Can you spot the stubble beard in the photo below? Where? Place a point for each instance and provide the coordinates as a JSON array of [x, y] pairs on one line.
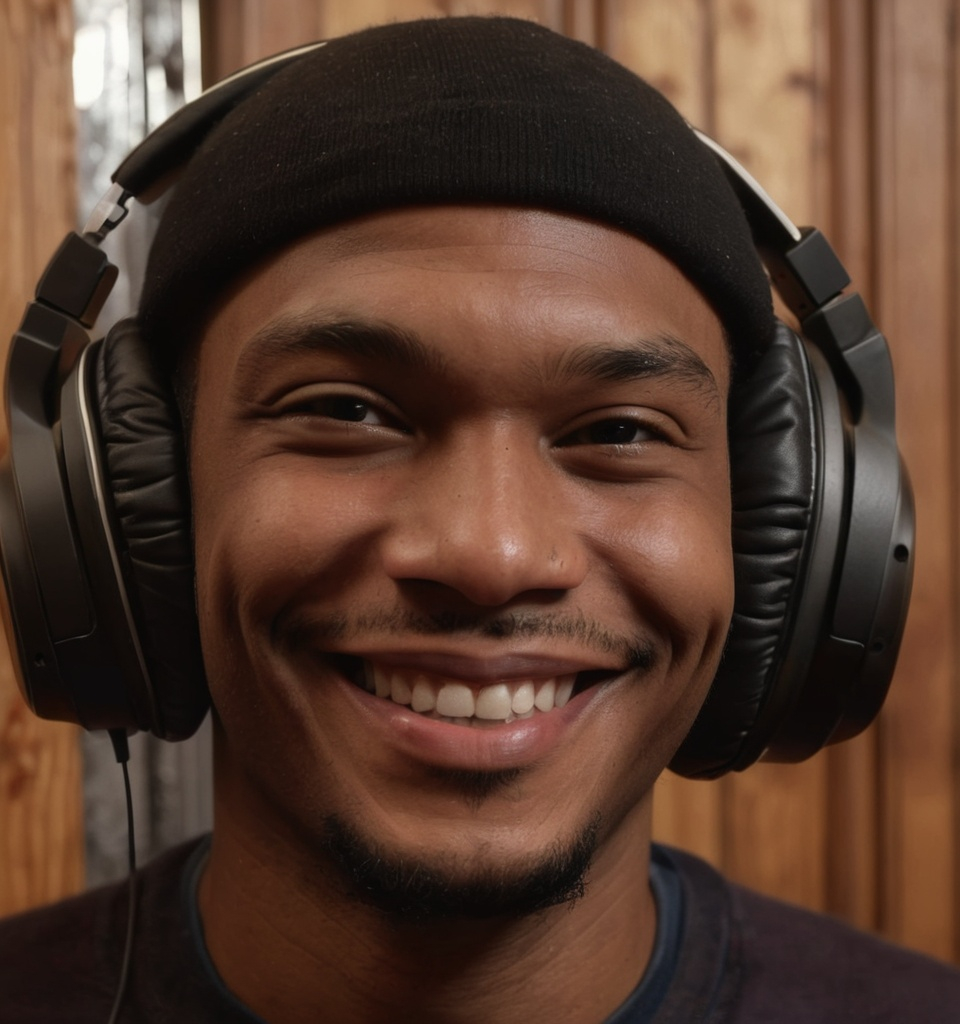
[[406, 888], [418, 889]]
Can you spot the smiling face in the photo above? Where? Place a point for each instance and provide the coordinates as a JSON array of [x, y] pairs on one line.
[[462, 519]]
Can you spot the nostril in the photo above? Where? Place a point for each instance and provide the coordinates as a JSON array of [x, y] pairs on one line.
[[486, 555]]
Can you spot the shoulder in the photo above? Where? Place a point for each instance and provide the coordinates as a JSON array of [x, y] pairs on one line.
[[800, 967], [824, 964], [75, 942], [63, 961]]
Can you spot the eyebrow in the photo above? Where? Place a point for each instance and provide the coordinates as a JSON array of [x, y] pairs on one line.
[[374, 340], [662, 356]]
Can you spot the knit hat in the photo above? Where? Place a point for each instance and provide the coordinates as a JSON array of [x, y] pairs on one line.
[[450, 110]]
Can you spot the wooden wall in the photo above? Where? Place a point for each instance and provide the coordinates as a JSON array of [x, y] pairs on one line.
[[41, 839], [847, 111]]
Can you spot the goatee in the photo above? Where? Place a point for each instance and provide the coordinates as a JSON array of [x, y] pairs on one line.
[[413, 889]]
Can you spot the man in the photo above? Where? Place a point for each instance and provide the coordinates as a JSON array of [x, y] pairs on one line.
[[454, 309]]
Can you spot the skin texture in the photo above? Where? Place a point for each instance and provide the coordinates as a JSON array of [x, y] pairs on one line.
[[528, 477]]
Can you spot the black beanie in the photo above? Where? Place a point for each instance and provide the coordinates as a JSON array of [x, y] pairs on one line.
[[450, 110]]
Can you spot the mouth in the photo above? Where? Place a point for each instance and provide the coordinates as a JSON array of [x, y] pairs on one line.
[[459, 703]]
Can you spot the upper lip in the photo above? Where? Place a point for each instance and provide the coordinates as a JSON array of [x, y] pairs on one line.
[[480, 670]]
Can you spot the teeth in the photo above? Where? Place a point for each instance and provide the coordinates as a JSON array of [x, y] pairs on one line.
[[545, 696], [422, 697], [564, 690], [400, 689], [455, 701], [499, 702], [523, 699], [493, 702]]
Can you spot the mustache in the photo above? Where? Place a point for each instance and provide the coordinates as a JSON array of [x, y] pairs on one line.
[[298, 628]]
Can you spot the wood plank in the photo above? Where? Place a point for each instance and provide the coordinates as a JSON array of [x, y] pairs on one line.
[[339, 19], [666, 42], [770, 84], [853, 852], [582, 19], [41, 827], [342, 18], [915, 185], [769, 78], [953, 275], [238, 32], [849, 217], [547, 12], [41, 838], [690, 814]]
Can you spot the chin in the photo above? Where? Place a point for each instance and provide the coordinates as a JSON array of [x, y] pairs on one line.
[[423, 887]]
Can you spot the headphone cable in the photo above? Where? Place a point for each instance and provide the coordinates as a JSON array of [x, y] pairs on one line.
[[122, 750]]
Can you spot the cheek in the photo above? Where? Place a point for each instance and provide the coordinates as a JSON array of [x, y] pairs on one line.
[[699, 565], [674, 557], [263, 539], [264, 536], [675, 566]]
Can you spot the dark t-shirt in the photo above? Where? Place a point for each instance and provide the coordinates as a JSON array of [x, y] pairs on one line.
[[723, 955]]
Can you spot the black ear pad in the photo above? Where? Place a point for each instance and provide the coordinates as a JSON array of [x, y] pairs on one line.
[[787, 479], [95, 544], [144, 470]]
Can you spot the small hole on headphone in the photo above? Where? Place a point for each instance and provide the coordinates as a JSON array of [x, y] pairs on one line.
[[901, 552], [40, 661], [877, 646]]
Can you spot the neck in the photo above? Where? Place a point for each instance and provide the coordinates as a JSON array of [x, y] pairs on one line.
[[290, 942]]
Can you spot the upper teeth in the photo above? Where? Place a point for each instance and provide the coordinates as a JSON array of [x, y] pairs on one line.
[[450, 699]]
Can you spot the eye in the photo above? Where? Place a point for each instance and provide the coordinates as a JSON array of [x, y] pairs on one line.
[[614, 431], [338, 403], [345, 407]]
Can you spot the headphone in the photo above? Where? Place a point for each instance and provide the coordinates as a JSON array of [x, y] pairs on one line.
[[95, 528]]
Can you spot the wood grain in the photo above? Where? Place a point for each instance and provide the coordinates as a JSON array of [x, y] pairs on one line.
[[239, 32], [916, 191], [853, 797], [667, 42], [41, 838], [953, 278]]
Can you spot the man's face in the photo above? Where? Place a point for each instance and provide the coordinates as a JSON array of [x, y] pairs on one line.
[[474, 459]]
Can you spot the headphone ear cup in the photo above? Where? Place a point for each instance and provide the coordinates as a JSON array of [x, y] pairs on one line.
[[776, 453], [145, 476]]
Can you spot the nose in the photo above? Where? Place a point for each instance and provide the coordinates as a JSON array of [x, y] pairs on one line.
[[490, 519]]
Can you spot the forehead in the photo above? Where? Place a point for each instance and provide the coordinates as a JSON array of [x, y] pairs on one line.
[[540, 286]]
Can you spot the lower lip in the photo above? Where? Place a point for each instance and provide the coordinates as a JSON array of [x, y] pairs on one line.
[[464, 747]]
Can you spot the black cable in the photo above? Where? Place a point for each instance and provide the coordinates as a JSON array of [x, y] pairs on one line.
[[122, 750]]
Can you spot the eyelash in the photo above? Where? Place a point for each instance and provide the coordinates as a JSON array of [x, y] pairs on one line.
[[341, 403], [336, 403], [591, 433]]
